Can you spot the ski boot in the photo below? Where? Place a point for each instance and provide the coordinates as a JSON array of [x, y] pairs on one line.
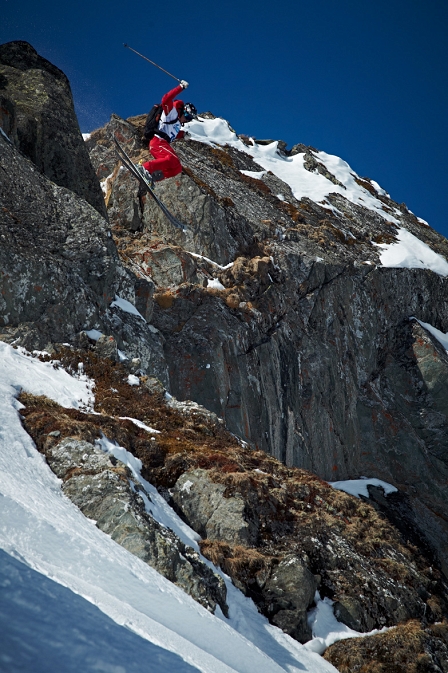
[[151, 178], [144, 173], [157, 176]]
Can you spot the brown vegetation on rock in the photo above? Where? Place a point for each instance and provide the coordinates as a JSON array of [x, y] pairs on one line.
[[408, 648], [375, 577]]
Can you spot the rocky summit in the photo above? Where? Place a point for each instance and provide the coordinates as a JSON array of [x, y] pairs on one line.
[[292, 337]]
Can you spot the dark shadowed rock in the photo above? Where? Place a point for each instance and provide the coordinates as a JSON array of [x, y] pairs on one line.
[[37, 113], [288, 593], [60, 269]]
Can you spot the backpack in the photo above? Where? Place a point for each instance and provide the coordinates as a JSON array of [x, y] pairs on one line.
[[152, 123]]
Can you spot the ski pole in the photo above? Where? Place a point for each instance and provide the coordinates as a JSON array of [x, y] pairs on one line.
[[149, 60]]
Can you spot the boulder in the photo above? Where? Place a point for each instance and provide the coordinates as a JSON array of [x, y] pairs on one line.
[[204, 507], [288, 594]]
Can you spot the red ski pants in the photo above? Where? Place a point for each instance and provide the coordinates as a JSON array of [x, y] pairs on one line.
[[165, 158]]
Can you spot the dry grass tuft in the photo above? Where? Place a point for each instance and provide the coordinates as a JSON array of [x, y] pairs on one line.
[[408, 648], [240, 563], [164, 299]]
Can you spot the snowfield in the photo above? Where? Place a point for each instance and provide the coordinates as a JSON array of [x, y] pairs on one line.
[[63, 580]]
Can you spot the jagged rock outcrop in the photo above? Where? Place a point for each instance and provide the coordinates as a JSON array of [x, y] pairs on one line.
[[105, 491], [307, 351], [60, 270], [37, 113]]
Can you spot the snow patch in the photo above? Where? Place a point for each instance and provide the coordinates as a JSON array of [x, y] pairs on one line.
[[327, 630], [409, 252], [291, 170], [140, 424], [358, 487], [94, 334], [254, 174], [194, 254], [215, 283], [126, 306]]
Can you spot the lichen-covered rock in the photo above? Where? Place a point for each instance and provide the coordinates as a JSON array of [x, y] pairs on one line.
[[207, 511], [104, 490], [106, 347], [37, 113], [288, 594]]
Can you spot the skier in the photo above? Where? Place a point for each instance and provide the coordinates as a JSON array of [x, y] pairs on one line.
[[162, 127]]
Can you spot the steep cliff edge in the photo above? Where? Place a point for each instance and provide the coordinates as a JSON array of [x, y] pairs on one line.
[[305, 346], [37, 113]]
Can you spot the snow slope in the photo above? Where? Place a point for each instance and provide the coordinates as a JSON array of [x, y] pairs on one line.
[[291, 169], [407, 252], [42, 532]]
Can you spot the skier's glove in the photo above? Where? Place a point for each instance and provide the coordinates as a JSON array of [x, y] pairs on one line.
[[184, 84]]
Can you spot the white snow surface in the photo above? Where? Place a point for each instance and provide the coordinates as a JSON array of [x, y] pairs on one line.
[[194, 254], [94, 334], [291, 169], [126, 306], [409, 252], [327, 630], [215, 283], [42, 529], [441, 337], [140, 424], [358, 487]]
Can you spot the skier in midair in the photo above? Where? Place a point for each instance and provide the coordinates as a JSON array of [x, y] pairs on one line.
[[162, 127]]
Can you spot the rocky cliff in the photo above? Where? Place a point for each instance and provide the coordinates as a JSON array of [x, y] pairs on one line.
[[307, 349], [36, 112], [311, 359]]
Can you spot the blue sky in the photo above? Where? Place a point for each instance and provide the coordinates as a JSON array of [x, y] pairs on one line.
[[365, 81]]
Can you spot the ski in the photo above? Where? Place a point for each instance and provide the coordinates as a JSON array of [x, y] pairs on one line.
[[127, 162]]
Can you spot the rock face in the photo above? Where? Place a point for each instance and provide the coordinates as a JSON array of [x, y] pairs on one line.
[[37, 113], [206, 510], [103, 489], [307, 351], [60, 270]]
